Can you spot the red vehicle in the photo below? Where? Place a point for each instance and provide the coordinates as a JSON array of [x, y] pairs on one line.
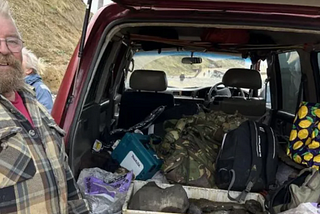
[[280, 38]]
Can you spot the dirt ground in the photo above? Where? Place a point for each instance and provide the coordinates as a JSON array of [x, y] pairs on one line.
[[51, 29]]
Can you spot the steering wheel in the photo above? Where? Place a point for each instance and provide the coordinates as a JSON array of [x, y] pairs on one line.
[[209, 98]]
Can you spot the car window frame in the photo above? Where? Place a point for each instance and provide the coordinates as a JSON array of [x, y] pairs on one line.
[[280, 85], [315, 63]]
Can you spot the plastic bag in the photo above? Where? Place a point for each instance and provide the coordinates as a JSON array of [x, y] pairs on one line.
[[105, 191], [305, 208], [159, 178]]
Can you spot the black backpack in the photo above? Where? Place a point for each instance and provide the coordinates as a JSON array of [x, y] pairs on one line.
[[247, 160], [278, 199]]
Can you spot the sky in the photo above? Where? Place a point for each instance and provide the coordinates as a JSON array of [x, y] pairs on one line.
[[94, 6]]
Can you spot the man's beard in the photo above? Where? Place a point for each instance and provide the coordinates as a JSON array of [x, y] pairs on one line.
[[11, 79]]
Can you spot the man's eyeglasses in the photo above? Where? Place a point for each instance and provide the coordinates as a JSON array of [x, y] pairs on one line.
[[13, 44]]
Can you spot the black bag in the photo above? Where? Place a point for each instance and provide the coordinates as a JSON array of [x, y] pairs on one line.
[[279, 200], [247, 160]]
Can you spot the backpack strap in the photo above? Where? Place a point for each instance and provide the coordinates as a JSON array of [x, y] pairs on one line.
[[301, 91], [256, 166]]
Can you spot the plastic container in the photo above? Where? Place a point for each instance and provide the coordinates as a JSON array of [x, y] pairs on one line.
[[134, 153], [192, 192]]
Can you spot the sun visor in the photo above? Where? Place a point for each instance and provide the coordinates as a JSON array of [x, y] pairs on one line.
[[163, 32]]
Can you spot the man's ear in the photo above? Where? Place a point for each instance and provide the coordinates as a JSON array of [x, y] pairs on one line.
[[28, 71]]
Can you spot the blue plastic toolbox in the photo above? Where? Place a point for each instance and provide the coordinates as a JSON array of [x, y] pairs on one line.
[[134, 153]]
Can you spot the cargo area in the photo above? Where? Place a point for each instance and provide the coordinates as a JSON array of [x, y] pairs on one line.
[[192, 192], [188, 103]]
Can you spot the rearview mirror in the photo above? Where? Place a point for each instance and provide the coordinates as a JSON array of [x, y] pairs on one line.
[[191, 60]]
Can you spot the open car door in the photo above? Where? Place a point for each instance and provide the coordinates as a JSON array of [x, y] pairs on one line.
[[307, 8]]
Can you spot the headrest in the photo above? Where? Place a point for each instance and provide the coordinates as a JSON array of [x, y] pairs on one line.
[[148, 80], [242, 78]]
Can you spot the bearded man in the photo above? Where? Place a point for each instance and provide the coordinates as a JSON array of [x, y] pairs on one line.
[[34, 172]]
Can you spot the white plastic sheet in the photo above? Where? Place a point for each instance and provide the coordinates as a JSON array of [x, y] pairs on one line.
[[305, 208]]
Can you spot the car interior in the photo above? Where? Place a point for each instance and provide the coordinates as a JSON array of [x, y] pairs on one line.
[[122, 90]]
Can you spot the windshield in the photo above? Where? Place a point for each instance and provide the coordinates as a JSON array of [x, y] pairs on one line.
[[182, 75]]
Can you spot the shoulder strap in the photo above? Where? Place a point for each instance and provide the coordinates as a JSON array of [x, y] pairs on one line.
[[256, 166], [301, 91]]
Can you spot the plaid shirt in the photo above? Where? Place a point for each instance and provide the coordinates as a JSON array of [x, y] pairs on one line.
[[34, 173]]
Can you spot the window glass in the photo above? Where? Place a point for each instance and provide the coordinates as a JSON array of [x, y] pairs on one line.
[[95, 84], [290, 79], [183, 75], [264, 92]]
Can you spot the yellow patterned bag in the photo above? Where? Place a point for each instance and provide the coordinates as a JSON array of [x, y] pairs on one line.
[[304, 142]]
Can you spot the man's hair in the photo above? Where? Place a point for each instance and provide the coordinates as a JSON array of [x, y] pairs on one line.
[[5, 13], [4, 9], [32, 62]]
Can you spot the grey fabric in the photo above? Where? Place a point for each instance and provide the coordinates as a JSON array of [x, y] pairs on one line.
[[148, 80], [285, 172], [309, 191], [242, 78]]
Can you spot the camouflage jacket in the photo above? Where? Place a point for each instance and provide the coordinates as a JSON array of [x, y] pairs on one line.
[[190, 147]]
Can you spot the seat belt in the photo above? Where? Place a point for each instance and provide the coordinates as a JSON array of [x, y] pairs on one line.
[[266, 87], [265, 115], [301, 91]]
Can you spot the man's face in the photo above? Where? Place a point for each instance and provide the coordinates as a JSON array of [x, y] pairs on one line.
[[11, 73]]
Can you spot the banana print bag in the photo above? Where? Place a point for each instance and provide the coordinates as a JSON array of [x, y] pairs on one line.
[[304, 141]]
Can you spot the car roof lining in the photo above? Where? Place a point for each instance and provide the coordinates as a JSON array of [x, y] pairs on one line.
[[123, 28], [291, 38], [276, 33], [191, 38]]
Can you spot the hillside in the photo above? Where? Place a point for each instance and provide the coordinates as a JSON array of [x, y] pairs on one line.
[[51, 29], [173, 66]]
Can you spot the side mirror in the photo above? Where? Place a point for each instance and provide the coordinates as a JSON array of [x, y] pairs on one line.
[[191, 60]]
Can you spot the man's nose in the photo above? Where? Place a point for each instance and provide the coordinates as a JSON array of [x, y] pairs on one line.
[[4, 48]]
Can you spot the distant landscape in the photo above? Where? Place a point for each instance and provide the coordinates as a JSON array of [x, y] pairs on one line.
[[208, 73], [51, 29]]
